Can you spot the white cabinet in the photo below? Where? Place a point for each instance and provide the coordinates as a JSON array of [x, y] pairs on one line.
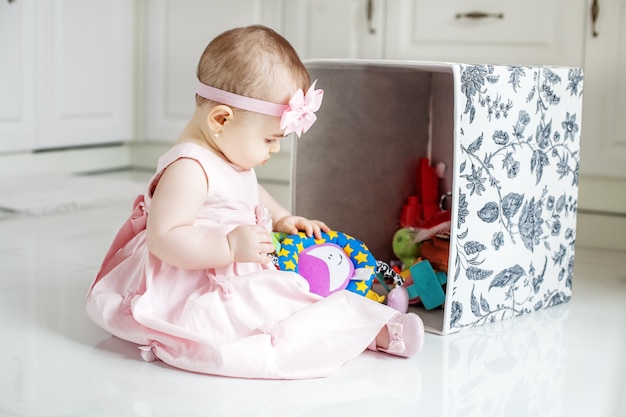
[[336, 28], [176, 33], [85, 72], [534, 32], [69, 73], [17, 76], [604, 124], [527, 32]]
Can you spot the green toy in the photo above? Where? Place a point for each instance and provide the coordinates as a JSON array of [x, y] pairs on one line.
[[277, 237], [406, 249]]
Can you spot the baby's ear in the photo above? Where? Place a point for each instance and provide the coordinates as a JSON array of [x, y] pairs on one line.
[[218, 116]]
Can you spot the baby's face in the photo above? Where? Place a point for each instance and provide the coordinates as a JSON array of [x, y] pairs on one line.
[[250, 139]]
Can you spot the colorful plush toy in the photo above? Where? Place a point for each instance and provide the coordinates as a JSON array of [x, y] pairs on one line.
[[327, 268], [336, 261]]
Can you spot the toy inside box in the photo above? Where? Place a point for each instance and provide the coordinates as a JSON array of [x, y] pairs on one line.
[[400, 142]]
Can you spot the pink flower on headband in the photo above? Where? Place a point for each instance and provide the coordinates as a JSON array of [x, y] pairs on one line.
[[300, 114]]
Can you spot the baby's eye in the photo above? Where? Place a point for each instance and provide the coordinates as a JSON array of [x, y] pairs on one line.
[[270, 140]]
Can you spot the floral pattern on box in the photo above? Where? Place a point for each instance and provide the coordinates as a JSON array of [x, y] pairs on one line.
[[516, 191]]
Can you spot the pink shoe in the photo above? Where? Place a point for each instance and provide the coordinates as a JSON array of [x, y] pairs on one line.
[[406, 335]]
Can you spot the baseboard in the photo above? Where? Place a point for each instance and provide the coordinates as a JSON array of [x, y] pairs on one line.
[[65, 161], [602, 195], [601, 231], [144, 155]]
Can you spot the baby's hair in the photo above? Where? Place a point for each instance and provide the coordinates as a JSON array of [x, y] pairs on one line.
[[253, 61]]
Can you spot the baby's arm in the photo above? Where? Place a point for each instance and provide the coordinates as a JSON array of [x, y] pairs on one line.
[[284, 221], [170, 233]]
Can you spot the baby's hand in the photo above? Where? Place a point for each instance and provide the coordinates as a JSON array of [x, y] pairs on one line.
[[250, 244], [294, 224]]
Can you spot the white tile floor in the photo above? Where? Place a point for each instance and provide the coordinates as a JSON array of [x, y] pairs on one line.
[[566, 361]]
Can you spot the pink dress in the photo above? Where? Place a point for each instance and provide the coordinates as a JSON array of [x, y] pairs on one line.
[[244, 320]]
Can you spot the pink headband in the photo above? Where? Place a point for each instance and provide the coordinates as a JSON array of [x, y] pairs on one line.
[[297, 116]]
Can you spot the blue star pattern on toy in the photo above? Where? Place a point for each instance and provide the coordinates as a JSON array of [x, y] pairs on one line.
[[362, 259]]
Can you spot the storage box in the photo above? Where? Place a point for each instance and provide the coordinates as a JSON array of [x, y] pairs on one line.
[[509, 138]]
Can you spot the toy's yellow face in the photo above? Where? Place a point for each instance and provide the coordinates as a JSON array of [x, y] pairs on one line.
[[339, 265]]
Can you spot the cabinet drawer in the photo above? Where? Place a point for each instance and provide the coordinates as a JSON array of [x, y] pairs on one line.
[[489, 22], [487, 31]]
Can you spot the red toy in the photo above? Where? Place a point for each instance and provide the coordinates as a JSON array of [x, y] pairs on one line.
[[422, 218], [422, 210]]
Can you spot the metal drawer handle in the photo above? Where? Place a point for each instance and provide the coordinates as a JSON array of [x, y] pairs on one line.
[[479, 15], [369, 11], [595, 13]]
